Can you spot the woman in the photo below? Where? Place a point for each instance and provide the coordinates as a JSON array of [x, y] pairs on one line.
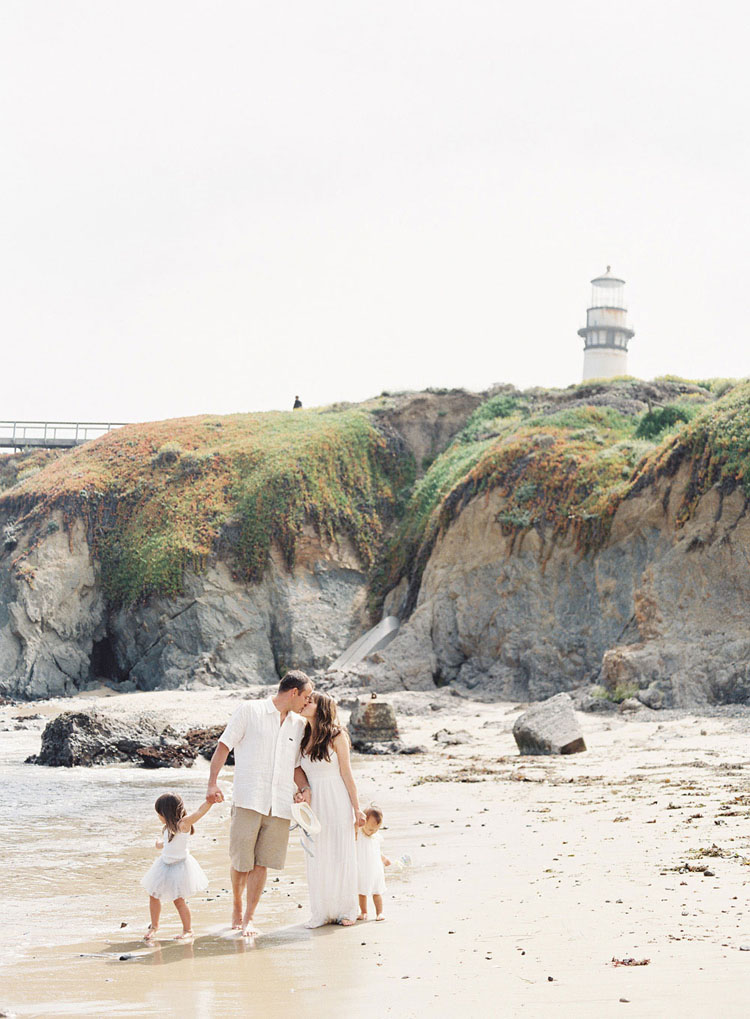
[[332, 871]]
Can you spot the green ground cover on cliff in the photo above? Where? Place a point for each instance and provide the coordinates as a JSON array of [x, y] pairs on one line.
[[715, 444], [16, 467], [160, 497], [562, 470]]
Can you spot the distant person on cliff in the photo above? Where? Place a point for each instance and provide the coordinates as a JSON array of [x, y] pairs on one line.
[[297, 403], [265, 736]]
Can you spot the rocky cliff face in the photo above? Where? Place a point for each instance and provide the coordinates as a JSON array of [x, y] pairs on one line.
[[57, 634], [548, 547], [661, 608]]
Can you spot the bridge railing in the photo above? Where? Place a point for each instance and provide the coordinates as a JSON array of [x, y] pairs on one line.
[[52, 434]]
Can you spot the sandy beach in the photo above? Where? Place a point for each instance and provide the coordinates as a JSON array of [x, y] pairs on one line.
[[529, 876]]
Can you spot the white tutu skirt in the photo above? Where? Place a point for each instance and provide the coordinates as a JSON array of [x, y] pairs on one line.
[[370, 872], [170, 881]]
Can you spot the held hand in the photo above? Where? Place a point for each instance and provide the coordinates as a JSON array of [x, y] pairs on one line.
[[214, 794], [360, 818], [386, 861]]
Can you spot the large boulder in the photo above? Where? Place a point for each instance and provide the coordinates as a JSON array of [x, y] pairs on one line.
[[372, 721], [549, 728], [83, 739]]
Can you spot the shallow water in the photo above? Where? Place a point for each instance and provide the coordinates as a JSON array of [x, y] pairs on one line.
[[75, 842]]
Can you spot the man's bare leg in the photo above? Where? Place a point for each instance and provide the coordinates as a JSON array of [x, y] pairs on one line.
[[239, 883], [256, 881]]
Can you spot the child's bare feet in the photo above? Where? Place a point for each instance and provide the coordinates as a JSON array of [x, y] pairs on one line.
[[362, 916], [150, 932], [380, 916]]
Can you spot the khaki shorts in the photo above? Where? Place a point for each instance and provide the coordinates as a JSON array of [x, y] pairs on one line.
[[257, 840]]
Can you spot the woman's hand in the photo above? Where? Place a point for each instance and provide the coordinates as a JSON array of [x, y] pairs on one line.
[[360, 818]]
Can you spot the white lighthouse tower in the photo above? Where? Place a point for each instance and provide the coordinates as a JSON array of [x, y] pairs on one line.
[[606, 333]]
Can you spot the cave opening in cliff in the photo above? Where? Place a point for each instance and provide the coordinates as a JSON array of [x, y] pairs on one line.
[[103, 663]]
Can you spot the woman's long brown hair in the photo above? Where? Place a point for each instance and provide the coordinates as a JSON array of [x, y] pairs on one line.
[[172, 809], [327, 728]]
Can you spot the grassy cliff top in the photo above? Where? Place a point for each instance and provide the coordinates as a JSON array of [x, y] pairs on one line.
[[714, 444], [163, 496], [564, 459]]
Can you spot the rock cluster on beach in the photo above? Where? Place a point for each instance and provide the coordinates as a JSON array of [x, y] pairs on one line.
[[86, 738]]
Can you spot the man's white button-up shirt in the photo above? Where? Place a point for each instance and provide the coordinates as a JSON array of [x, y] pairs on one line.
[[266, 752]]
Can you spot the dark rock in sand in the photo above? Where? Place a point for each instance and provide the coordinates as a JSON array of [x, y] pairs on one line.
[[167, 757], [372, 721], [451, 739], [204, 741], [392, 747], [80, 738], [593, 699], [83, 739], [631, 704], [549, 728]]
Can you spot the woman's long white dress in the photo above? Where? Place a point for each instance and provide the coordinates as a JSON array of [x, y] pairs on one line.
[[332, 870]]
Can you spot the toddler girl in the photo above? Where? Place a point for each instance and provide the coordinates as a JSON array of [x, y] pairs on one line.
[[370, 860], [175, 875]]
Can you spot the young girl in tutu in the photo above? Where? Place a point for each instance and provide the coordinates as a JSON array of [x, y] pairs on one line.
[[370, 860], [175, 875]]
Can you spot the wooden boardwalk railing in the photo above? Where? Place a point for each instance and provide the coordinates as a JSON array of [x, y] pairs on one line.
[[51, 434]]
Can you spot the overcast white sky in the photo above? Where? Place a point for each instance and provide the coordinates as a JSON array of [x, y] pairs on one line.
[[214, 206]]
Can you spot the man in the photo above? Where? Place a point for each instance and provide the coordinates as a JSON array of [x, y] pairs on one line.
[[265, 736], [297, 403]]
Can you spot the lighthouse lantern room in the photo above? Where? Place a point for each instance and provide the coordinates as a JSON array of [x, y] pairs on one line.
[[606, 333]]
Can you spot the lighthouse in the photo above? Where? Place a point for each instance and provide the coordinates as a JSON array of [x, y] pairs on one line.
[[606, 333]]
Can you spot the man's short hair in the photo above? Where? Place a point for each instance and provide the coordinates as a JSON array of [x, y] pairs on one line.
[[296, 679]]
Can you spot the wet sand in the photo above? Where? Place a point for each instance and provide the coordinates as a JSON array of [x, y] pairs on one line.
[[523, 869]]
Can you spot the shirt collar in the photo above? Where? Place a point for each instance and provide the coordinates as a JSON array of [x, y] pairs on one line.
[[270, 706]]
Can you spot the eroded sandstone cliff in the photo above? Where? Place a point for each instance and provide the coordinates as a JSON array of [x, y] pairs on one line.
[[543, 541]]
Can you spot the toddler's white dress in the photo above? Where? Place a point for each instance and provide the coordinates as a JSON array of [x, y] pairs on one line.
[[370, 872], [175, 874], [332, 870]]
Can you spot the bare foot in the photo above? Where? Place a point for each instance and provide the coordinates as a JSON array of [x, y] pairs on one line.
[[237, 917], [150, 933], [380, 916], [249, 930], [346, 922], [185, 936], [362, 916]]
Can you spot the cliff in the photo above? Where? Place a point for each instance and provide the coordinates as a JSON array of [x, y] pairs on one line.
[[210, 549], [573, 553], [531, 541]]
